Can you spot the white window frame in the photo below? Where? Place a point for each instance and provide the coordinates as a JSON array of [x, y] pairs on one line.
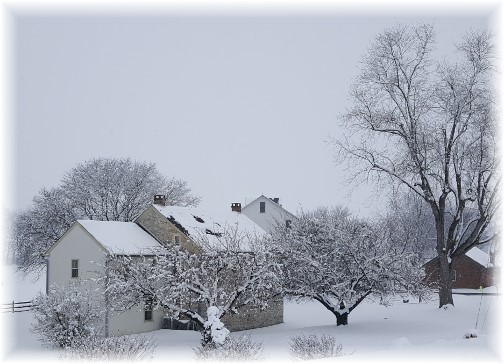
[[72, 268], [148, 309]]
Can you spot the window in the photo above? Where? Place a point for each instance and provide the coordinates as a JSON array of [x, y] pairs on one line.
[[262, 207], [148, 308], [176, 239], [288, 224], [454, 275], [75, 268]]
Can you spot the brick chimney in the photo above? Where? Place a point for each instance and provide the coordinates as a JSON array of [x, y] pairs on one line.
[[236, 207], [275, 200], [160, 200]]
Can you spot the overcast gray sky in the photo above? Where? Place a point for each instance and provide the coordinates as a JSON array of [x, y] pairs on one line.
[[237, 105]]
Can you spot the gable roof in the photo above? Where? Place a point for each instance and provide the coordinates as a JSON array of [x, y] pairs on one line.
[[270, 200], [209, 225], [119, 237], [479, 256], [475, 254]]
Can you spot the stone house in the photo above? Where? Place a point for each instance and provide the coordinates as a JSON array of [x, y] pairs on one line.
[[81, 254], [471, 270], [183, 225]]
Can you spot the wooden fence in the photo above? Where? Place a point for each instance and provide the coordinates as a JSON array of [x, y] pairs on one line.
[[477, 293], [17, 307]]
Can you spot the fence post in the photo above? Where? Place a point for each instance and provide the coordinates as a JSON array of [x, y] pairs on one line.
[[12, 306]]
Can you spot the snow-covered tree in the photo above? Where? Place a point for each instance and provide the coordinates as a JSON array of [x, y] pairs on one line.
[[33, 231], [180, 283], [98, 189], [430, 127], [339, 260], [120, 189]]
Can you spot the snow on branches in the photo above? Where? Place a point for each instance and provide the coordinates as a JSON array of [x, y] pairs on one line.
[[67, 315], [214, 330], [339, 261], [429, 126], [104, 189], [71, 317], [179, 282]]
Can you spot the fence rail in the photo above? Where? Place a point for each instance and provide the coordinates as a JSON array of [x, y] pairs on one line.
[[477, 293], [17, 307]]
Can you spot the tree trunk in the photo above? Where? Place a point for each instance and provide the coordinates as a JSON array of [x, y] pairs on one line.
[[206, 336], [342, 319], [445, 281], [445, 269]]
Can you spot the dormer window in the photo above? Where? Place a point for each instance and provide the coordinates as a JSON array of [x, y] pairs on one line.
[[262, 207]]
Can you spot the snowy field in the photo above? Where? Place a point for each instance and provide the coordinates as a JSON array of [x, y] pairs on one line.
[[402, 331]]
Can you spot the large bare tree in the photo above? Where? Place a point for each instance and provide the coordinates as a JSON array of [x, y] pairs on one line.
[[408, 222], [98, 189], [430, 127]]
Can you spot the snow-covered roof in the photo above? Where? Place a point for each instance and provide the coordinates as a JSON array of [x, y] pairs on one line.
[[209, 225], [269, 200], [121, 237], [479, 256]]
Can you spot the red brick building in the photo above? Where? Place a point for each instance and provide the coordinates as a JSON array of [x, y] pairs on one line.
[[471, 270]]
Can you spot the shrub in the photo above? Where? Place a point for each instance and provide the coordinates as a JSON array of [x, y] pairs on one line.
[[131, 348], [240, 348], [69, 318], [312, 346], [67, 314]]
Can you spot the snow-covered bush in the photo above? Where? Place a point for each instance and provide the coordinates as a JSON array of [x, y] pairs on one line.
[[68, 314], [69, 318], [132, 347], [214, 330], [241, 348], [313, 346]]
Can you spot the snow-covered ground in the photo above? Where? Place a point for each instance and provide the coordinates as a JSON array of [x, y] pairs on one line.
[[402, 331]]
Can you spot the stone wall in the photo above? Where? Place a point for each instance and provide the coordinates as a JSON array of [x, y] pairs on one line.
[[247, 318], [161, 228], [252, 318]]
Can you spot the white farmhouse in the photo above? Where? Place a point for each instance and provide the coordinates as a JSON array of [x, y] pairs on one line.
[[81, 254], [266, 212]]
